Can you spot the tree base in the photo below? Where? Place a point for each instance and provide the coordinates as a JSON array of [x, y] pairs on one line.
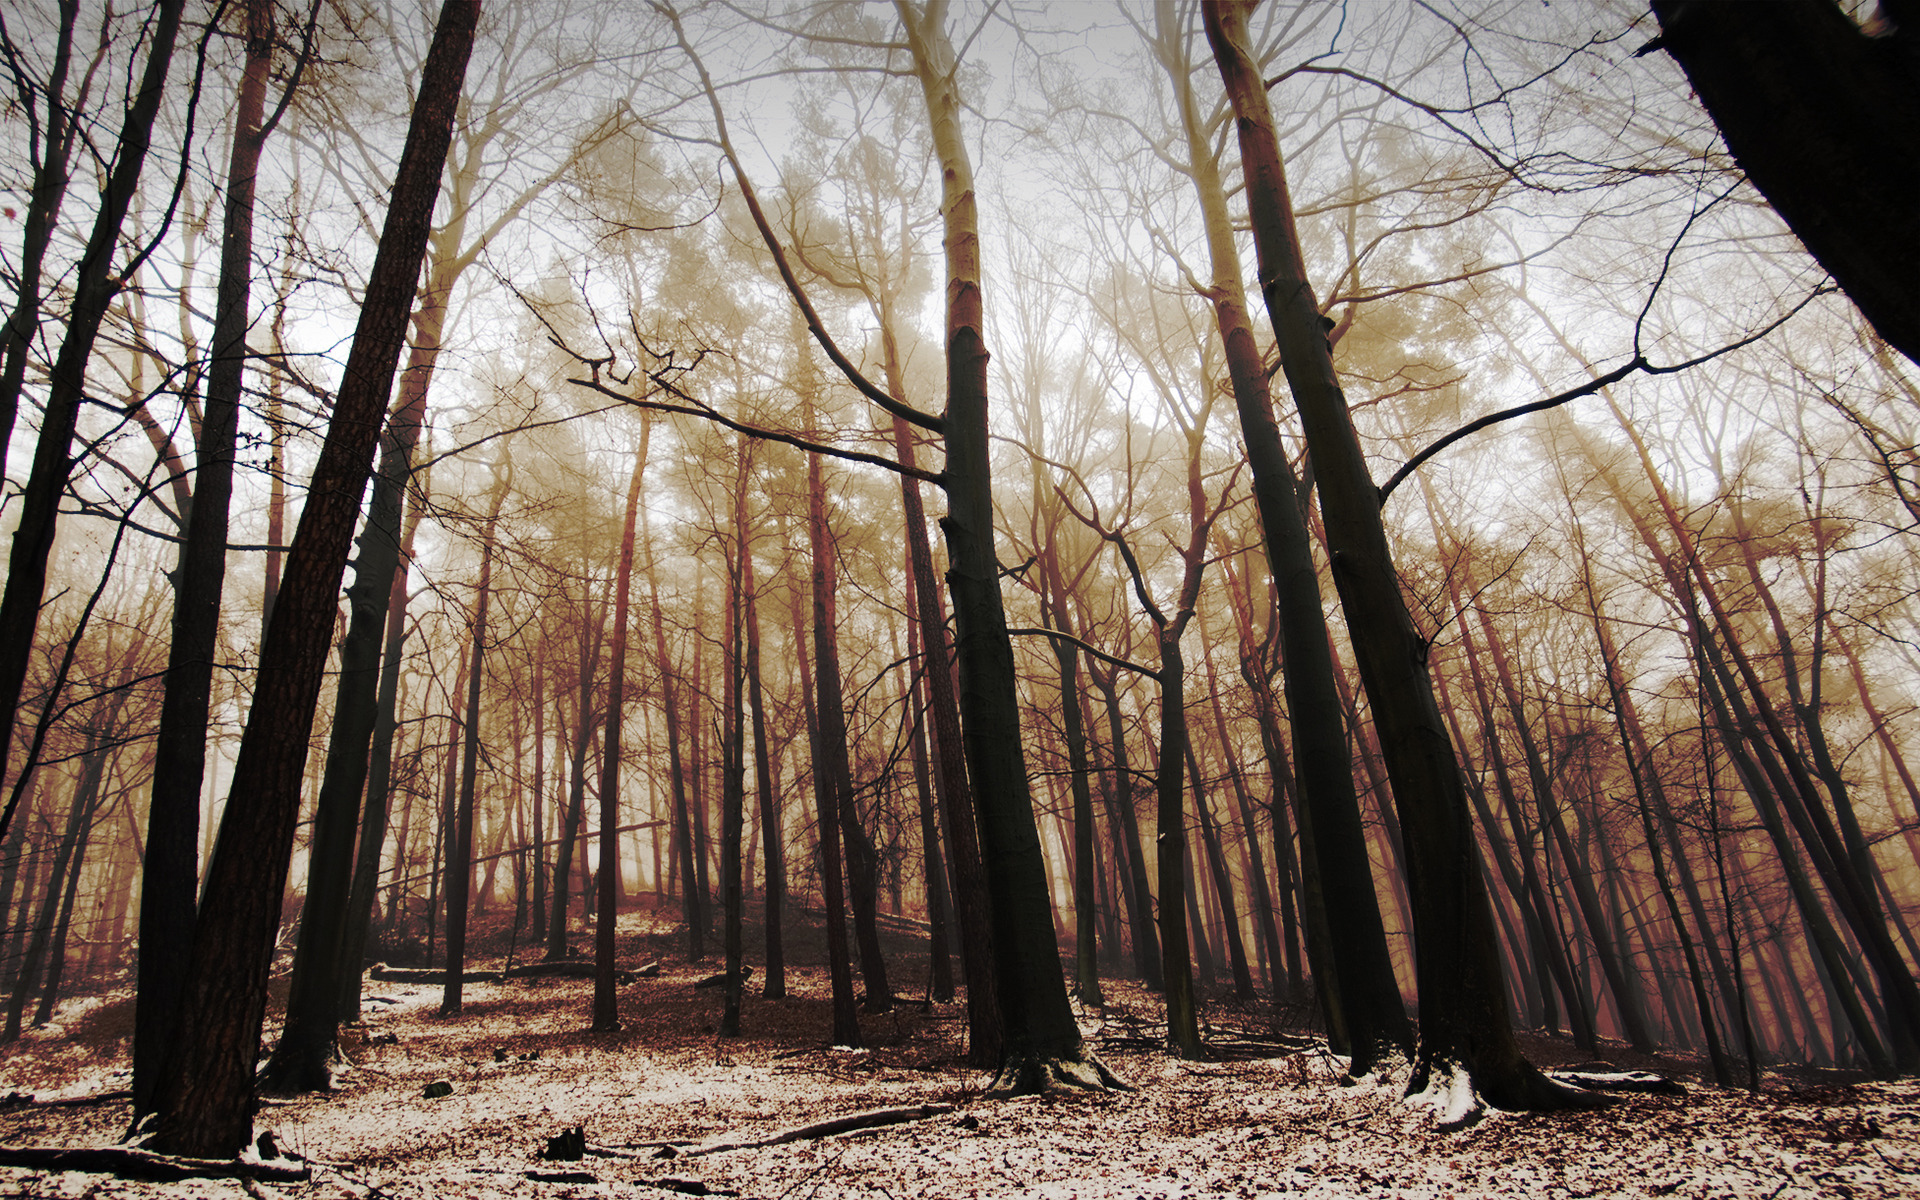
[[1032, 1074], [1460, 1096], [296, 1072]]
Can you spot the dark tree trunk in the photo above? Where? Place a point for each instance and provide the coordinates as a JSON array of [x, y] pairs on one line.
[[205, 1098], [606, 1003], [572, 821], [773, 852], [1464, 1026], [94, 288], [50, 173], [1042, 1042], [460, 843], [733, 757], [170, 873], [1140, 922], [1825, 121], [379, 784]]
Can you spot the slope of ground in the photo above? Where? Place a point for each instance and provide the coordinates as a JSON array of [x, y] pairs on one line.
[[522, 1067]]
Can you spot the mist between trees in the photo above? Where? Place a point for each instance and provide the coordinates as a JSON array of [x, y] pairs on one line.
[[862, 463]]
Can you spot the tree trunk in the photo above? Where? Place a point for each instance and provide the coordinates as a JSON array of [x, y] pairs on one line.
[[460, 852], [379, 785], [170, 874], [1042, 1045], [1464, 1025], [606, 1003], [773, 853], [50, 175], [733, 757], [1825, 121], [205, 1099]]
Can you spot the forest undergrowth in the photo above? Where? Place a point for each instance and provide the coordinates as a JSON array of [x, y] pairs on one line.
[[666, 1107]]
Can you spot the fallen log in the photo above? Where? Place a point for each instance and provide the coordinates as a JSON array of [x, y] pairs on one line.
[[873, 1118], [128, 1162]]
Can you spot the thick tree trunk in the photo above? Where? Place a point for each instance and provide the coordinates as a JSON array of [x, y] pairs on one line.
[[1825, 121], [1464, 1026], [170, 873], [1042, 1042], [205, 1101]]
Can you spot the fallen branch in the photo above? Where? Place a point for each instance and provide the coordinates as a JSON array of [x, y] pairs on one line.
[[128, 1162], [875, 1118], [387, 974], [575, 969]]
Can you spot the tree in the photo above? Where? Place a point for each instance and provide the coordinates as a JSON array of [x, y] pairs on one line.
[[1824, 118], [1466, 1038], [204, 1100]]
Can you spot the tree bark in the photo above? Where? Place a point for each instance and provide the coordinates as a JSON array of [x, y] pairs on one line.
[[606, 1002], [1825, 121], [205, 1098], [170, 872], [1464, 1026], [1042, 1043], [93, 292]]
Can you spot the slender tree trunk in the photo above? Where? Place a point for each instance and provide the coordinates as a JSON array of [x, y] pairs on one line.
[[50, 174], [773, 852], [379, 785], [95, 286], [460, 853], [733, 757], [606, 1003]]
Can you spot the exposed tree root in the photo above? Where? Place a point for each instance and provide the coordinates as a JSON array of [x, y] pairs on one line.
[[1595, 1080], [128, 1162], [1028, 1074], [1460, 1097]]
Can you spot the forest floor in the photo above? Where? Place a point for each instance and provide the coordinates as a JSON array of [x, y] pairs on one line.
[[659, 1098]]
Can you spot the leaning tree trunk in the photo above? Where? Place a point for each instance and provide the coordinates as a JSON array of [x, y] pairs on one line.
[[1825, 121], [1466, 1038], [205, 1098], [733, 758], [50, 172], [773, 853], [170, 870]]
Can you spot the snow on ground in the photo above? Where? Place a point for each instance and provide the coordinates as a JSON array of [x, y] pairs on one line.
[[523, 1067]]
